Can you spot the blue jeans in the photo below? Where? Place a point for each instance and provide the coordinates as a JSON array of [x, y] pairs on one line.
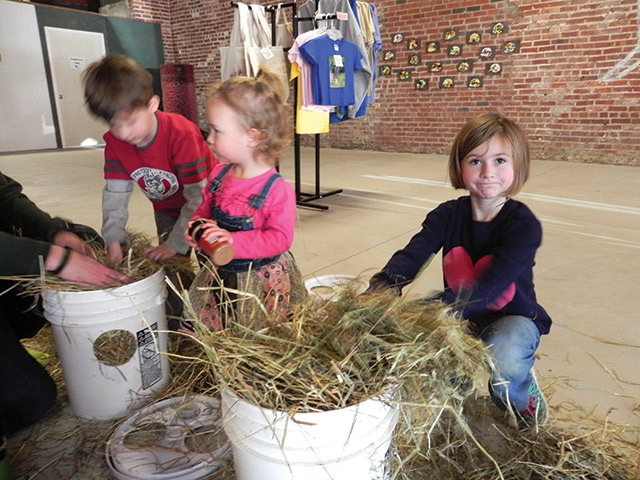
[[512, 341]]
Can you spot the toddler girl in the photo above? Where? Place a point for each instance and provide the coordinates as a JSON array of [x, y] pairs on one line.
[[247, 204]]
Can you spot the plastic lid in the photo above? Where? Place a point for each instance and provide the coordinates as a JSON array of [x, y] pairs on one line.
[[178, 438]]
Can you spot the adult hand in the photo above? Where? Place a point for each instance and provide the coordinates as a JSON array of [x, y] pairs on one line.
[[160, 253], [82, 269], [65, 238]]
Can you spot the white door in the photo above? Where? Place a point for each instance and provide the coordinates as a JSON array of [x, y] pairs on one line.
[[70, 53], [26, 117]]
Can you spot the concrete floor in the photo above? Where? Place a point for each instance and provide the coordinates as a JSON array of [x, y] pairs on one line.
[[586, 274]]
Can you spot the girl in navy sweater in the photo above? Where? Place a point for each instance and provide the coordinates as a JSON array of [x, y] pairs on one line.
[[488, 242]]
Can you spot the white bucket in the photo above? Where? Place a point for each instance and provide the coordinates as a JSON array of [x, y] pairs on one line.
[[110, 344], [328, 287], [350, 443]]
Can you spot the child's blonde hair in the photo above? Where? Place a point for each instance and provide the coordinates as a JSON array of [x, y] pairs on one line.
[[481, 129], [116, 84], [260, 103]]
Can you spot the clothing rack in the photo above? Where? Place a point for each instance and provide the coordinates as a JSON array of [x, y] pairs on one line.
[[303, 199]]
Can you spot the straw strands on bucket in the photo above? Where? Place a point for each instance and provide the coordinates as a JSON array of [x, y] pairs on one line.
[[333, 354]]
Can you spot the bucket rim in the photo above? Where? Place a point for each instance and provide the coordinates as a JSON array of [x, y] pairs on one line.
[[388, 399], [334, 282]]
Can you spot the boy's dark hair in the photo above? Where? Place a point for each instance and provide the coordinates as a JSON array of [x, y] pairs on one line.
[[116, 84]]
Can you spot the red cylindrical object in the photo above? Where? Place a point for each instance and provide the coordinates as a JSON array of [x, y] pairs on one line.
[[220, 252]]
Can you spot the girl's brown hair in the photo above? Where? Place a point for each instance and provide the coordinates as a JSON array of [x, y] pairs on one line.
[[482, 128], [260, 103]]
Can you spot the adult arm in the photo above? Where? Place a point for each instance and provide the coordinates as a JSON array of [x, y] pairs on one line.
[[25, 230], [25, 236], [20, 216]]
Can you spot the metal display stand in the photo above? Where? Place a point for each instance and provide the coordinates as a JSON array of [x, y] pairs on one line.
[[302, 199]]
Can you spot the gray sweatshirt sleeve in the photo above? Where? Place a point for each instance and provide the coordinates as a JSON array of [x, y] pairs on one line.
[[115, 212], [193, 195]]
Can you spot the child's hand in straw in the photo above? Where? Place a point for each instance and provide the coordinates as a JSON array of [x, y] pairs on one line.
[[114, 253], [73, 266], [160, 252]]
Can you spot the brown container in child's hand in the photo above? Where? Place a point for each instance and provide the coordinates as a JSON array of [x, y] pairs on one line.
[[220, 252]]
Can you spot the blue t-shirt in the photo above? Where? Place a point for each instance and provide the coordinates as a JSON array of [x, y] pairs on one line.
[[333, 63]]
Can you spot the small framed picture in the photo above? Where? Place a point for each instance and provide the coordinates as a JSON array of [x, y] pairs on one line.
[[449, 34], [511, 47], [415, 60], [487, 53], [454, 51], [433, 47], [465, 66], [474, 38], [413, 44], [435, 67], [499, 28], [422, 84], [447, 82], [404, 75], [397, 38], [494, 68], [474, 82]]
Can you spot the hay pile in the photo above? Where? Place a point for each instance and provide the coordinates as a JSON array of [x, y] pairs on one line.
[[334, 354], [337, 353]]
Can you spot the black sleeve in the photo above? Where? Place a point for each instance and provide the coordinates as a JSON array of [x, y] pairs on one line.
[[25, 230]]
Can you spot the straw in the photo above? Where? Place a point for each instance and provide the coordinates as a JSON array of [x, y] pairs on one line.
[[345, 350]]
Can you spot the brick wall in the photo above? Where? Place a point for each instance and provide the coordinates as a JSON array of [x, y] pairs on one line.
[[568, 81]]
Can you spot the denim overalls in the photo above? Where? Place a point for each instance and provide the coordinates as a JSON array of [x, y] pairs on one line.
[[242, 223]]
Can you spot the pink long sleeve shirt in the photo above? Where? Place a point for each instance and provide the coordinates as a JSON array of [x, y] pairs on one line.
[[273, 224]]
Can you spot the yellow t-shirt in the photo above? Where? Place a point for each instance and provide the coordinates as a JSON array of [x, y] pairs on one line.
[[307, 122]]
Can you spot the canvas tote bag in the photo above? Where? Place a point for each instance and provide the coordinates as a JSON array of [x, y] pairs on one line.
[[284, 30], [266, 55], [234, 60]]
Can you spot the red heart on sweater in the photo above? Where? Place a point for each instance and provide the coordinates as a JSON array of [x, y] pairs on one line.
[[460, 273]]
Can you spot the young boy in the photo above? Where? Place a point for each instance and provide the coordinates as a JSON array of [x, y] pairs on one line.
[[164, 153]]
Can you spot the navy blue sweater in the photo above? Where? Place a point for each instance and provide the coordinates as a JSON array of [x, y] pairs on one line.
[[487, 266]]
